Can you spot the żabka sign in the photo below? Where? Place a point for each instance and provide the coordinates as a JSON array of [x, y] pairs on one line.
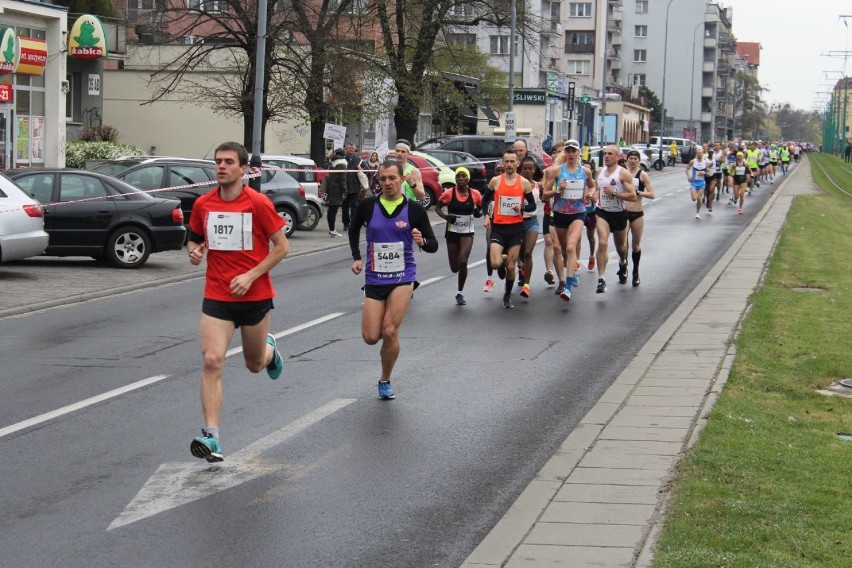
[[87, 39], [8, 50]]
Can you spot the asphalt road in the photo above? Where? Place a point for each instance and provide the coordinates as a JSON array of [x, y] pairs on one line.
[[318, 472]]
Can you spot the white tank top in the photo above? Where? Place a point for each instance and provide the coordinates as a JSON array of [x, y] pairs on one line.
[[610, 202], [537, 197]]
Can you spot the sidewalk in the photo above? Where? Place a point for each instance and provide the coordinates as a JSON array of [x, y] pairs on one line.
[[601, 499]]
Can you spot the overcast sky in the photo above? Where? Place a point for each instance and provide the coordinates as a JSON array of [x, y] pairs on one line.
[[796, 36]]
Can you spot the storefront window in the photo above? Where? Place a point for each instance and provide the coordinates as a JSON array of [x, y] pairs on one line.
[[30, 110]]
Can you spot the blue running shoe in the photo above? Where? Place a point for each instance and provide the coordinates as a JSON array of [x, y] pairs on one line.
[[575, 281], [207, 447], [566, 294], [460, 299], [385, 392], [276, 366]]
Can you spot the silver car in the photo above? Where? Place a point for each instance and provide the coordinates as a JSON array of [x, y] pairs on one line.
[[22, 232]]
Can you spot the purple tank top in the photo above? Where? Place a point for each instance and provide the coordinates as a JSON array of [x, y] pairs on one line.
[[390, 250]]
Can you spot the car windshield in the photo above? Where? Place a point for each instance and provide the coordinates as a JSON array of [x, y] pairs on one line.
[[112, 168], [433, 144]]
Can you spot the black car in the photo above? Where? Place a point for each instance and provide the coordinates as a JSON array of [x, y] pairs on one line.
[[455, 160], [187, 180], [487, 149], [91, 214]]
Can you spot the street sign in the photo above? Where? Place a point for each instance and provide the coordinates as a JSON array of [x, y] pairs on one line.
[[570, 101], [585, 99], [511, 130]]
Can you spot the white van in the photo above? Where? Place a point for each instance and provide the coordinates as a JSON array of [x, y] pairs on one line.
[[685, 146]]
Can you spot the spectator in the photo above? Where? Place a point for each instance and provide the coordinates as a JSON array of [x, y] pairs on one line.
[[353, 184], [334, 185]]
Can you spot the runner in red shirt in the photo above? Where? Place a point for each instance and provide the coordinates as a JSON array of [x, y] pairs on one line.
[[234, 224]]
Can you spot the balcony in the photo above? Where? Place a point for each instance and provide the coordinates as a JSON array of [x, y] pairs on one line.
[[707, 92], [709, 67], [706, 117], [615, 64], [710, 42], [550, 27], [579, 48]]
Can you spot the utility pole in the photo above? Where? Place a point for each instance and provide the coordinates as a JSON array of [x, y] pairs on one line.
[[603, 82], [260, 68]]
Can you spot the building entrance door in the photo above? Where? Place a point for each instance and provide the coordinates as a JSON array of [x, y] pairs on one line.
[[6, 139]]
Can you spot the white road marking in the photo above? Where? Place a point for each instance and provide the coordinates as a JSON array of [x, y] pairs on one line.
[[431, 281], [79, 405], [176, 484], [139, 384]]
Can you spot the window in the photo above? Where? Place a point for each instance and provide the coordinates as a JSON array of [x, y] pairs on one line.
[[73, 187], [147, 178], [640, 31], [641, 6], [187, 175], [500, 45], [461, 40], [208, 5], [640, 55], [580, 9], [639, 79], [578, 67], [585, 38], [143, 4], [459, 10], [555, 10], [579, 42]]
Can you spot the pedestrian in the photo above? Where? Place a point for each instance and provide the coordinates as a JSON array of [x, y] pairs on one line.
[[847, 155], [547, 145], [673, 150], [570, 184], [614, 188], [511, 195], [334, 186], [394, 224], [463, 205], [234, 225], [635, 212], [353, 184]]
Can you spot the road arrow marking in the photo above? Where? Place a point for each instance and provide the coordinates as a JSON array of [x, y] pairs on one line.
[[176, 484]]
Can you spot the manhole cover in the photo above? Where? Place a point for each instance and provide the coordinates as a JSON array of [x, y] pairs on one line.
[[838, 389], [846, 383], [844, 436], [807, 289]]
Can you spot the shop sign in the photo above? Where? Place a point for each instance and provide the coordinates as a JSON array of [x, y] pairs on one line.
[[529, 97], [33, 56], [87, 39], [7, 93], [8, 50]]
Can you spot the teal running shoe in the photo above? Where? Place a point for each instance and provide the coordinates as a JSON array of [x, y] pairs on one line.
[[385, 392], [207, 447], [575, 281], [276, 366]]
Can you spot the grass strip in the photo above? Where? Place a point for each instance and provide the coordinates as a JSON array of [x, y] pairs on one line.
[[769, 482]]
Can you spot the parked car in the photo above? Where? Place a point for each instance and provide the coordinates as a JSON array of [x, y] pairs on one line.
[[22, 233], [187, 180], [430, 179], [685, 146], [92, 214], [446, 175], [455, 160], [488, 149], [304, 170]]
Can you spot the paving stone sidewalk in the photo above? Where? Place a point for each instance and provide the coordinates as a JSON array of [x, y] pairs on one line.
[[601, 499]]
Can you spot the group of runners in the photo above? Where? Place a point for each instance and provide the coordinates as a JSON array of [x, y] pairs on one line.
[[735, 170]]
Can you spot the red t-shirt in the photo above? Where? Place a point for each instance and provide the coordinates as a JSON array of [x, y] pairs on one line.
[[233, 249]]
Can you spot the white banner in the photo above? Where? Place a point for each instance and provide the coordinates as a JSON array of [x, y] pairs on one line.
[[336, 133]]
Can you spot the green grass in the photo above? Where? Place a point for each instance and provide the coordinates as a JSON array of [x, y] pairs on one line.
[[769, 482]]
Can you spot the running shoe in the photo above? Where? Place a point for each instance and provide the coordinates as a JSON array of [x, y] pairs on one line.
[[601, 286], [560, 288], [591, 263], [739, 211], [460, 299], [548, 277], [334, 234], [635, 279], [525, 291], [507, 302], [575, 281], [566, 294], [207, 447], [385, 392], [622, 273], [709, 210], [489, 285], [276, 366], [697, 216]]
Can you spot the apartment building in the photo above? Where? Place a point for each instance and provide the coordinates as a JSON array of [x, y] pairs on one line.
[[684, 51]]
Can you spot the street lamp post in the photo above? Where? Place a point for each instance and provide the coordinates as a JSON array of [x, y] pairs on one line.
[[692, 77], [663, 101]]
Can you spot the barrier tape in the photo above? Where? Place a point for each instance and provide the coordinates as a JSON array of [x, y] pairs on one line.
[[254, 172]]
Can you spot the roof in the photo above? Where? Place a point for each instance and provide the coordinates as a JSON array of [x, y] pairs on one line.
[[749, 51]]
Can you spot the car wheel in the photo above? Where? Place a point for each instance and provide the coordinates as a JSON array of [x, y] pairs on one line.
[[289, 218], [658, 165], [429, 200], [128, 247], [312, 219], [644, 168]]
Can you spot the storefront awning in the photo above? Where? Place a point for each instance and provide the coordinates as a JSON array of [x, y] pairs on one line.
[[33, 57]]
